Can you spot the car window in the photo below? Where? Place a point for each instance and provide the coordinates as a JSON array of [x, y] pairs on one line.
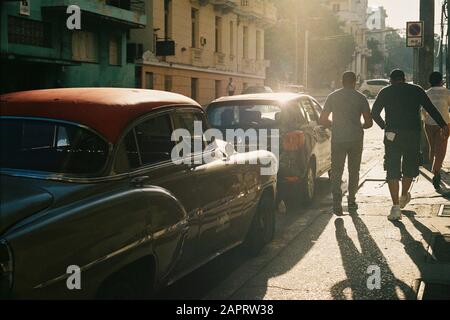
[[51, 146], [294, 116], [371, 83], [244, 115], [311, 113], [149, 142], [187, 120]]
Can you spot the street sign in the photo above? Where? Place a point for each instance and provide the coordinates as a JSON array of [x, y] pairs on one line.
[[415, 34], [165, 48]]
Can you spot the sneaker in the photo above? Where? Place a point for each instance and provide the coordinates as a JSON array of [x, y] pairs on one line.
[[396, 214], [437, 181], [404, 200]]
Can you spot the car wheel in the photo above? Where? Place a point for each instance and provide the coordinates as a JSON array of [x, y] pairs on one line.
[[262, 229], [308, 186]]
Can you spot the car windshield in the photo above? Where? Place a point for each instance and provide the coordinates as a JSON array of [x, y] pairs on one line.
[[52, 147], [235, 115]]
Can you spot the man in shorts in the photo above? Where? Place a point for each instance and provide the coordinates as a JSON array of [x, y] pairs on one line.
[[402, 103]]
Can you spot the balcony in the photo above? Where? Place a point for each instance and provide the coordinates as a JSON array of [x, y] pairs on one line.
[[196, 57], [248, 66], [262, 11], [219, 61], [225, 6], [129, 12]]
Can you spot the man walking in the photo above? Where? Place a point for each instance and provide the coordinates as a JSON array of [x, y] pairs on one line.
[[440, 96], [347, 105], [402, 103]]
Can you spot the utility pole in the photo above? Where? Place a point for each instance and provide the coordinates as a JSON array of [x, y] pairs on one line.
[[426, 54], [296, 46]]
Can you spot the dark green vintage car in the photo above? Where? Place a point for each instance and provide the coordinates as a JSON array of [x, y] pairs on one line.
[[89, 189]]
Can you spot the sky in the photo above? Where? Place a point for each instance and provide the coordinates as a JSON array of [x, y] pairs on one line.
[[401, 11]]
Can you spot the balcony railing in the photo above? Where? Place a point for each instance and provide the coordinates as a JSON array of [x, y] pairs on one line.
[[219, 59], [197, 57], [257, 9]]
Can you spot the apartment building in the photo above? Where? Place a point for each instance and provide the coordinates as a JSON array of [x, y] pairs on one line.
[[38, 51], [195, 46], [377, 30], [354, 14]]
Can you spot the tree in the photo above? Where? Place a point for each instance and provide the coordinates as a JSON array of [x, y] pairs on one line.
[[399, 56], [330, 48], [376, 59]]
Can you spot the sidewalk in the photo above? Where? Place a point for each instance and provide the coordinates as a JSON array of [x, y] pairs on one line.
[[329, 258]]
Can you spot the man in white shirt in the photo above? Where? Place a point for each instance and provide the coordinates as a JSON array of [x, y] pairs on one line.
[[440, 96], [231, 88]]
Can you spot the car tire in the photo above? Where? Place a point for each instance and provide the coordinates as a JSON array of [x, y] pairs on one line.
[[262, 228], [308, 184]]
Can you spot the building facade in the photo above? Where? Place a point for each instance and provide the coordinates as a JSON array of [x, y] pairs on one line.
[[377, 30], [37, 49], [212, 41], [354, 14]]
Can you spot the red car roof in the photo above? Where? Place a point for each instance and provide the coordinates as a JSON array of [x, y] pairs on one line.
[[106, 110]]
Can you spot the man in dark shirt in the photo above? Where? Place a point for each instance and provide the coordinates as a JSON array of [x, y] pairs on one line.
[[402, 103]]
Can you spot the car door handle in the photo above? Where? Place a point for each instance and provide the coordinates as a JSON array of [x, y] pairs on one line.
[[139, 181]]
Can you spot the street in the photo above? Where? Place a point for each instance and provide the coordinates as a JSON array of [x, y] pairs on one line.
[[316, 255]]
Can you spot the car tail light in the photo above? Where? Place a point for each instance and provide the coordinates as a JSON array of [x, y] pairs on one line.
[[294, 140], [6, 270]]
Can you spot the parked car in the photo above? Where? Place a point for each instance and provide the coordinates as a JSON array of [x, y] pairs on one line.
[[305, 146], [257, 89], [371, 88], [294, 88], [87, 180]]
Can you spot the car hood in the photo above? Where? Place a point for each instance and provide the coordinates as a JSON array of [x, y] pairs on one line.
[[19, 201]]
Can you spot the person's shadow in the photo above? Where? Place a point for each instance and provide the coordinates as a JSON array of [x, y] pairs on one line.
[[356, 265], [415, 249]]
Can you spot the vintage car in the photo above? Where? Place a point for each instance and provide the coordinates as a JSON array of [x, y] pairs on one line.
[[89, 189], [304, 146]]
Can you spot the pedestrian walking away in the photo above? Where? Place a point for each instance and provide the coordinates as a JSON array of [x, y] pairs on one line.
[[440, 96], [347, 106], [402, 103]]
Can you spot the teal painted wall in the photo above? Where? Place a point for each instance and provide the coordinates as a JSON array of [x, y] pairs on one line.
[[54, 70]]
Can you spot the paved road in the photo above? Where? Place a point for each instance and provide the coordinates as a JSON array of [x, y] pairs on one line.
[[211, 281]]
